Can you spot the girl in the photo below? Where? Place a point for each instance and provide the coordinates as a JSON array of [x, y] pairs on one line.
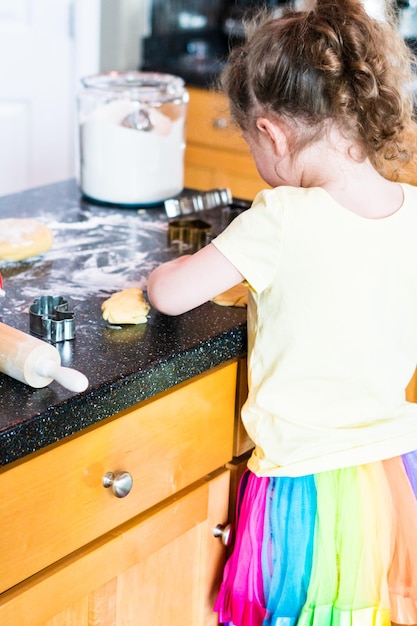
[[327, 525]]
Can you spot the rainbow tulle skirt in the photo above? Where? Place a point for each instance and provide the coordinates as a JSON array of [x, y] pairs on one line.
[[338, 548]]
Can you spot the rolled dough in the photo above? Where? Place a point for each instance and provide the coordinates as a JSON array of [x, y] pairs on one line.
[[21, 238], [126, 307], [235, 296]]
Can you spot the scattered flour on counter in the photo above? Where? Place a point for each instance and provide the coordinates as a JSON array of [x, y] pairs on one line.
[[87, 258]]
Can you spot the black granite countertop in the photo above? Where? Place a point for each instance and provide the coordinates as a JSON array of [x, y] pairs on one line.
[[98, 250]]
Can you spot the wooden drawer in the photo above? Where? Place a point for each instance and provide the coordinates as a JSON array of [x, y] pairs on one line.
[[55, 502], [208, 168], [209, 123], [216, 155], [126, 576]]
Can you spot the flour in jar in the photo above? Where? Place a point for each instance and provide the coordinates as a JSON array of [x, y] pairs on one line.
[[127, 166]]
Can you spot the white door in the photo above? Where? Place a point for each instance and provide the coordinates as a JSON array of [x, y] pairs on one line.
[[45, 46]]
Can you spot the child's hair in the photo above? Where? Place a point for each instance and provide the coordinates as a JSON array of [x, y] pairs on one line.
[[330, 63]]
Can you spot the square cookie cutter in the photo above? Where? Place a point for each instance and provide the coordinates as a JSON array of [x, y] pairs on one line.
[[51, 319]]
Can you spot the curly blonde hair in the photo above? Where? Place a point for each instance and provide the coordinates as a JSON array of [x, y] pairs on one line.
[[332, 62]]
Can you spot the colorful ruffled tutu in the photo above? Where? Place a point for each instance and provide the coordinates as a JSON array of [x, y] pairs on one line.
[[338, 548]]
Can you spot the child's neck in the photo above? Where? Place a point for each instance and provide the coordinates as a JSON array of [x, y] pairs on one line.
[[365, 192], [355, 185]]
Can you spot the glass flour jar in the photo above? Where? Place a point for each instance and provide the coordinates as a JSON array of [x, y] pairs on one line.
[[132, 137]]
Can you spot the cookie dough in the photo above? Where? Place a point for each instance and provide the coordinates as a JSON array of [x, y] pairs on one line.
[[236, 296], [21, 238], [126, 307]]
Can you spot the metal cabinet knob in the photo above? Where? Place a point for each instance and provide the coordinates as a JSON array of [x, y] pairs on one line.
[[220, 123], [120, 483], [223, 532]]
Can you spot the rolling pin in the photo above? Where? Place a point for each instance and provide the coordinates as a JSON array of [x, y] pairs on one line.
[[35, 362]]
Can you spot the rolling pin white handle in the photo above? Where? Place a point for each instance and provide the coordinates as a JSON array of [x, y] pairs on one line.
[[66, 376], [23, 356]]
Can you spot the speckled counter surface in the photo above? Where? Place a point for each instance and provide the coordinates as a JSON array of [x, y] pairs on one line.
[[99, 250]]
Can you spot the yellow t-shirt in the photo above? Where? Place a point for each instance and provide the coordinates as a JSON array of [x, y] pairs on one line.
[[332, 330]]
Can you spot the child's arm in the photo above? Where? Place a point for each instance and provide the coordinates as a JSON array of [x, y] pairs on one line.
[[187, 282]]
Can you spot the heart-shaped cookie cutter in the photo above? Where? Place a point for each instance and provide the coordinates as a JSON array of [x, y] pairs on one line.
[[51, 319]]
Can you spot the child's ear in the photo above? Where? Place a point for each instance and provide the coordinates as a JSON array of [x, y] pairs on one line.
[[273, 131]]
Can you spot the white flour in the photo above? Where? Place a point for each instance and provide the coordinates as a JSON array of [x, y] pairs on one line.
[[128, 166], [89, 258]]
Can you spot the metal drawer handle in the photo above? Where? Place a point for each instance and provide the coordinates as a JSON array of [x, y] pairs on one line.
[[120, 483], [219, 123], [223, 532]]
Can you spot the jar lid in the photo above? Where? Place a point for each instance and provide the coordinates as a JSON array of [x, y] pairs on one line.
[[146, 86]]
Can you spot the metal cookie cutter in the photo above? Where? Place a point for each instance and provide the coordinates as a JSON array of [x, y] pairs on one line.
[[195, 202], [50, 319]]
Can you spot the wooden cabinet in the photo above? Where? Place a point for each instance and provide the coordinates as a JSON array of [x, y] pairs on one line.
[[406, 173], [75, 554], [242, 442], [159, 568], [216, 155], [411, 390]]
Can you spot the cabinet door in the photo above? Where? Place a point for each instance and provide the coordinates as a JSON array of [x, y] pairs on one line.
[[162, 567], [216, 155], [52, 43]]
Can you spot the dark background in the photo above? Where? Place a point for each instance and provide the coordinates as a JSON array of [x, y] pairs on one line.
[[192, 38]]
